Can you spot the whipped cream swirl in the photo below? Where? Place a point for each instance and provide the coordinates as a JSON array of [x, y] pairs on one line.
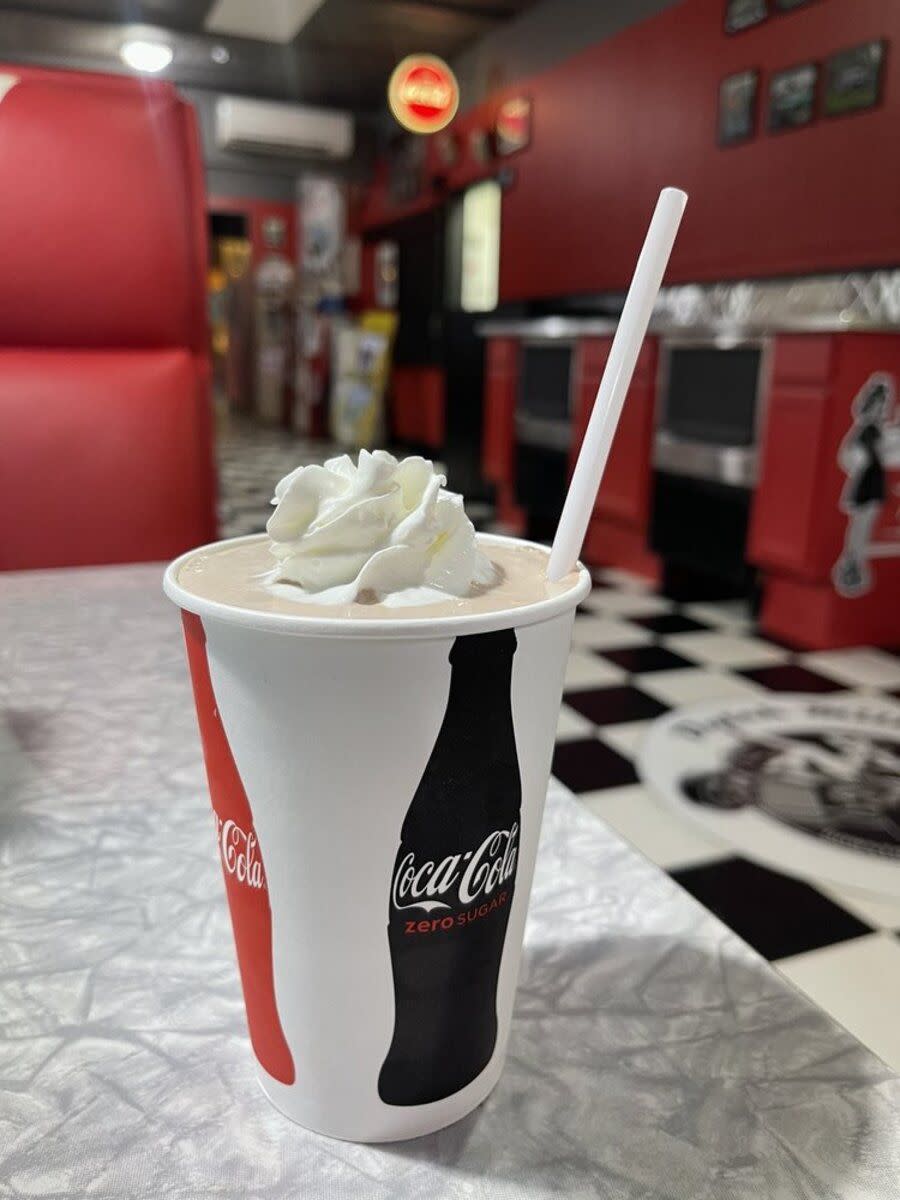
[[379, 526]]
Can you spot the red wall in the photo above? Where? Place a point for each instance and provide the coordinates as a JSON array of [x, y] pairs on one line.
[[625, 117]]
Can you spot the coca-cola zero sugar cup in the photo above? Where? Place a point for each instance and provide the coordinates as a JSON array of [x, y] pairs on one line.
[[378, 787]]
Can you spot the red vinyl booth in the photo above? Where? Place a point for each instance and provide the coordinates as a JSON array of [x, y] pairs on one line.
[[105, 423]]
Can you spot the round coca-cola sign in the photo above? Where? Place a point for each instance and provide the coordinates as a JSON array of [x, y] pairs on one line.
[[423, 93]]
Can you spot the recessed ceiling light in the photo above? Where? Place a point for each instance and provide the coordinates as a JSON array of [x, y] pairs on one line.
[[146, 56], [220, 55]]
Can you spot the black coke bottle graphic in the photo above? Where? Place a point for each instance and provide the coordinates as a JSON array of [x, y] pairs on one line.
[[453, 884]]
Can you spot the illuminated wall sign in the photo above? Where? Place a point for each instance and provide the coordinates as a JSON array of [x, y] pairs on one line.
[[480, 247], [513, 128], [423, 93]]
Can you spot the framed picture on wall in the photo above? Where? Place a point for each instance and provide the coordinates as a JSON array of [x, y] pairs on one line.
[[792, 97], [406, 169], [446, 146], [742, 14], [853, 78], [737, 108], [480, 146]]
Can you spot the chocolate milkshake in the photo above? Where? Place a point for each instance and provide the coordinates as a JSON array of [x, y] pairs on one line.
[[378, 690], [381, 540]]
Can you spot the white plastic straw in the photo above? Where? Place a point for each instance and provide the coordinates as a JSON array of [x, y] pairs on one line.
[[648, 275]]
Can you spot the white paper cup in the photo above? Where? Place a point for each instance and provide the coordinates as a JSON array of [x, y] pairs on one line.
[[376, 1009]]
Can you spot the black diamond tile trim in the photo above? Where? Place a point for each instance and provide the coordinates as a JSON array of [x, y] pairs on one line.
[[672, 623], [778, 916], [790, 677], [638, 659], [587, 765], [615, 705]]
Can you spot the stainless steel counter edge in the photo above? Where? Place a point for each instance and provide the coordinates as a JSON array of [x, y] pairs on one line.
[[570, 329], [854, 302]]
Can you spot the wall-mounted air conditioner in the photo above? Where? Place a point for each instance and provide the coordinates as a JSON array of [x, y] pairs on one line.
[[258, 127]]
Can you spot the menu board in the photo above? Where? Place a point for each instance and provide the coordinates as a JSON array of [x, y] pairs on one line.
[[737, 107], [792, 97], [741, 14], [853, 78]]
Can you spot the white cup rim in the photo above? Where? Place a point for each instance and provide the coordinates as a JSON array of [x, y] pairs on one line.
[[409, 628]]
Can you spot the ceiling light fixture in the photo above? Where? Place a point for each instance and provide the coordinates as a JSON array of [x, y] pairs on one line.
[[220, 55], [146, 56]]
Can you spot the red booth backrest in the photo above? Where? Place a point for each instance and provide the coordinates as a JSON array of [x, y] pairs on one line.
[[105, 429]]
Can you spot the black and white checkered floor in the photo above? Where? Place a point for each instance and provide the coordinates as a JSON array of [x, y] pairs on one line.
[[250, 460], [636, 655]]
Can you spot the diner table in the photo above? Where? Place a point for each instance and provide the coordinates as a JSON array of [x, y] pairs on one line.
[[652, 1054]]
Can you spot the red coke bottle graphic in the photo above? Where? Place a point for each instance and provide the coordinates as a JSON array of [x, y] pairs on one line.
[[453, 884], [242, 866]]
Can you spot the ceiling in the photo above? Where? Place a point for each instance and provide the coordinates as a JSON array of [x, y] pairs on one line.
[[341, 56]]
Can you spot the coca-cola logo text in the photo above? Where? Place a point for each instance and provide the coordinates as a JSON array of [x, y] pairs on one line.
[[459, 878], [240, 854], [432, 93]]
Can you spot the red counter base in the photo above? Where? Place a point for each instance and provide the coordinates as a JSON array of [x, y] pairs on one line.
[[813, 617], [510, 515], [418, 405], [609, 544]]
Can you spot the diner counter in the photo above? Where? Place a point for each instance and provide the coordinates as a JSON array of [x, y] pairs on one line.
[[652, 1054], [858, 302]]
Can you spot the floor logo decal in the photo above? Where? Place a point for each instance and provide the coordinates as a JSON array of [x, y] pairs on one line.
[[809, 785]]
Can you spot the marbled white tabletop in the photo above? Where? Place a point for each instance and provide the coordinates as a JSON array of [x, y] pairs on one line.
[[652, 1053]]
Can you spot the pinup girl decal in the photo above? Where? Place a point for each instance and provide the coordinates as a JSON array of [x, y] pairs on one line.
[[869, 447]]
